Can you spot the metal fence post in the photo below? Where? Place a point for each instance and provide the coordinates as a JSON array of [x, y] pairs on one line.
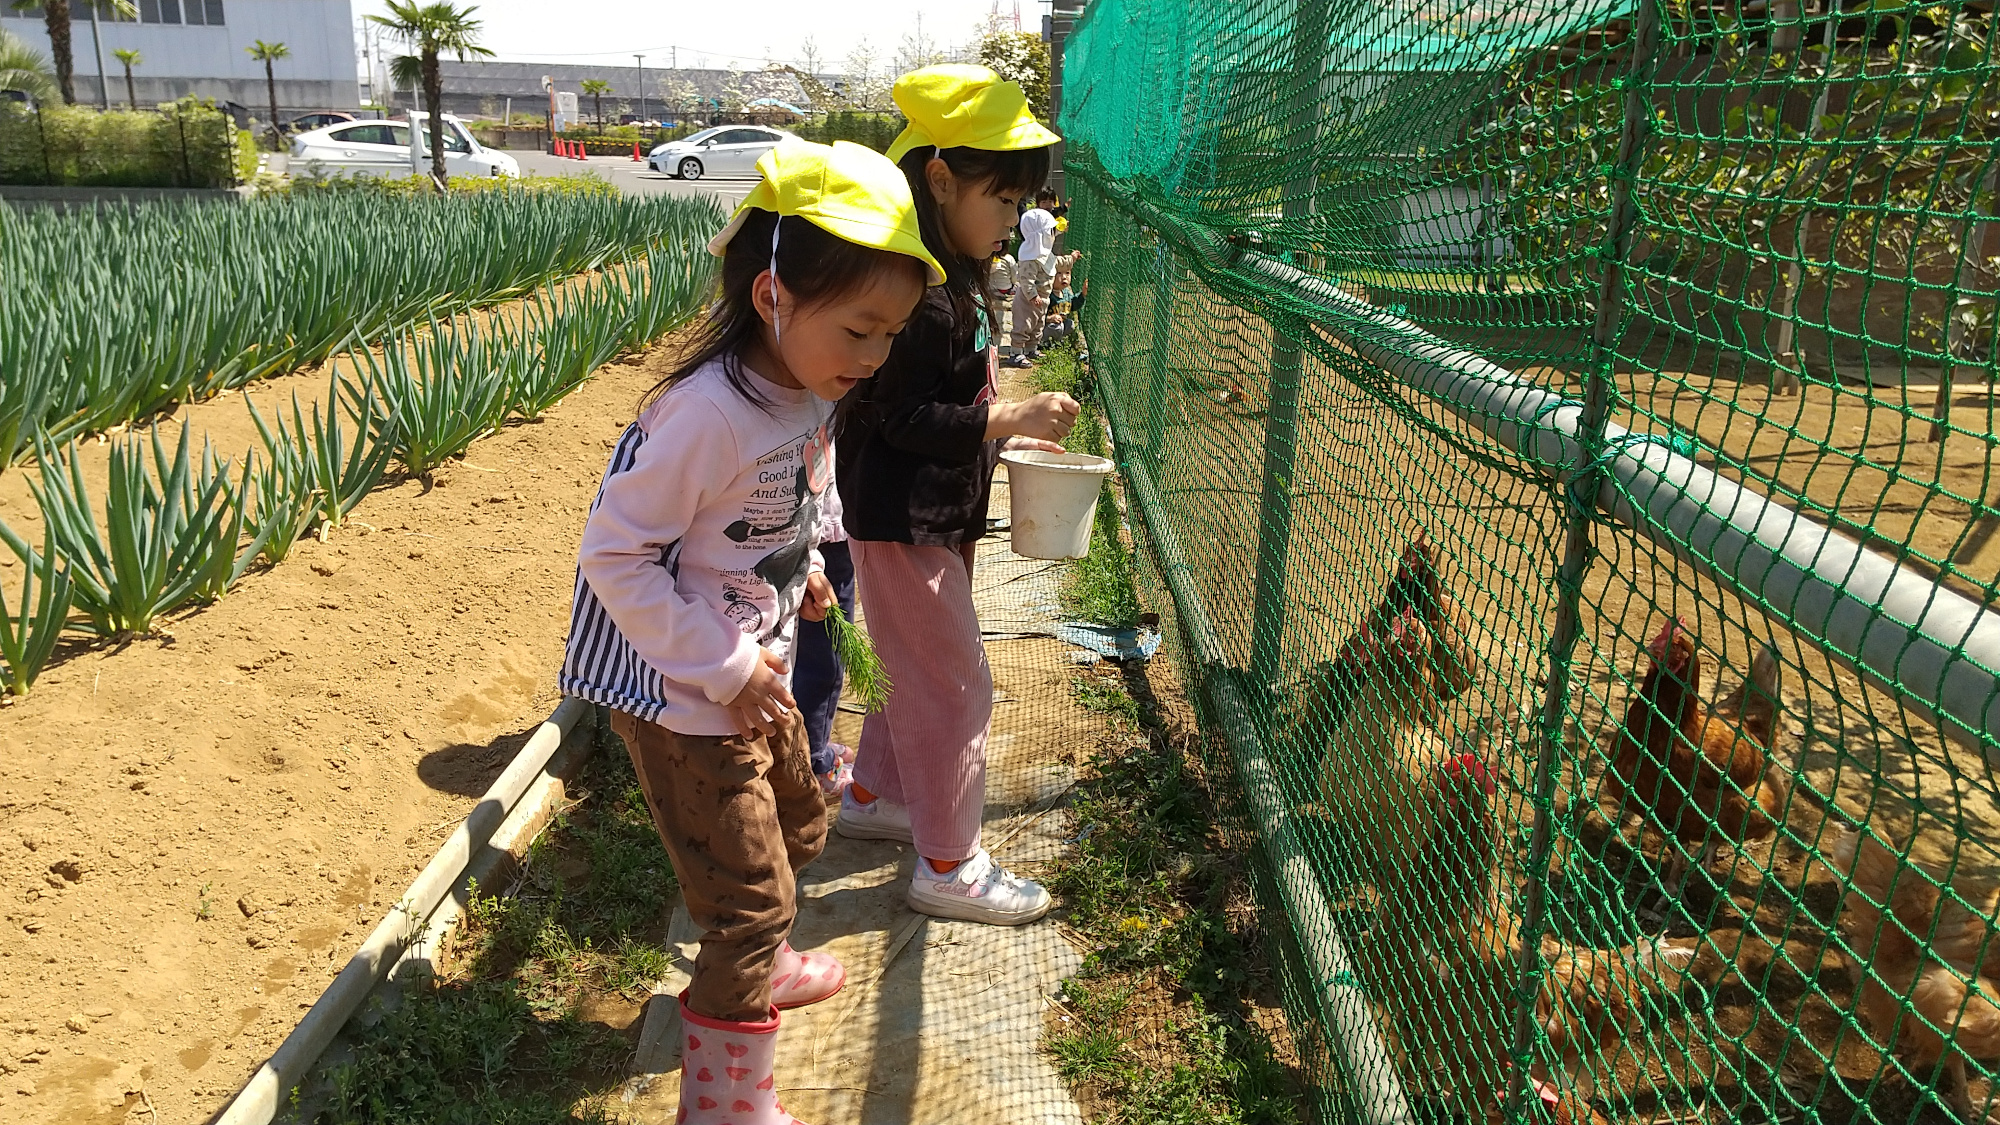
[[1578, 490], [1114, 345], [1783, 379], [1971, 259], [1281, 424], [1165, 265]]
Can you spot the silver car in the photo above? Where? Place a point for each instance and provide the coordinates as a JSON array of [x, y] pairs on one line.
[[726, 150], [382, 148]]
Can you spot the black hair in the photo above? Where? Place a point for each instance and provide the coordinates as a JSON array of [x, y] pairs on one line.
[[1017, 171], [816, 267], [1048, 193]]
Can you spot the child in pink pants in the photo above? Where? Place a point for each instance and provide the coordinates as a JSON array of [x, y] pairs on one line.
[[917, 449]]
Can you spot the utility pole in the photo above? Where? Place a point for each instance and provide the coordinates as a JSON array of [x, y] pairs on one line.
[[642, 90], [97, 42], [365, 60], [1055, 31]]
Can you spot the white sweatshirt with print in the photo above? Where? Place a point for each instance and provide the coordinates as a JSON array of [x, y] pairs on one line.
[[697, 550]]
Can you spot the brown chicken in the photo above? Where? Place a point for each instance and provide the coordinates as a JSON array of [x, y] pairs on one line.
[[1700, 775], [1421, 819], [1416, 587], [1589, 998], [1378, 777], [1940, 1003]]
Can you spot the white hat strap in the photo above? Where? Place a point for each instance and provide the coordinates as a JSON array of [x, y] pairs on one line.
[[777, 326]]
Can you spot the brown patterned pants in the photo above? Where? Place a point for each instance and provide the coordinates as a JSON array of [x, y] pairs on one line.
[[739, 818]]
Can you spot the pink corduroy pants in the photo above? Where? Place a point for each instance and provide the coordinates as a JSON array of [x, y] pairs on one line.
[[927, 749]]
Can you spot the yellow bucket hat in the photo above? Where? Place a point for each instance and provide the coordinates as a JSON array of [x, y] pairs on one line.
[[960, 106], [847, 190]]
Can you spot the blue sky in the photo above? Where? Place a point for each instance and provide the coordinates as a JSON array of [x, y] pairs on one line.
[[715, 34]]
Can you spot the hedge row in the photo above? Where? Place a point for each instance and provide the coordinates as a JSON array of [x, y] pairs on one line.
[[184, 144]]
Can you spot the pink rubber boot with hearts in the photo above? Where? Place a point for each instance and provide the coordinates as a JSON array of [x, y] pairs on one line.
[[728, 1074], [798, 979]]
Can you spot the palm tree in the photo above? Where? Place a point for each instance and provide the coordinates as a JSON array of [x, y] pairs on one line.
[[130, 58], [429, 29], [23, 68], [55, 15], [597, 88], [268, 53]]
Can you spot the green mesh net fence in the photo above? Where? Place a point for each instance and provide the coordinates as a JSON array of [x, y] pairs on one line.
[[1561, 435]]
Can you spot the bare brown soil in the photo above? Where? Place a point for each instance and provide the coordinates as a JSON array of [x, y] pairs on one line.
[[196, 827]]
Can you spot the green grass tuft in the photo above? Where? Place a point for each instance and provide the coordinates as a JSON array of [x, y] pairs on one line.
[[1098, 587], [502, 1036], [1158, 1026], [867, 679]]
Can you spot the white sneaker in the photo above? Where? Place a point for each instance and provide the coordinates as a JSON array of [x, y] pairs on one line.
[[978, 890], [879, 819]]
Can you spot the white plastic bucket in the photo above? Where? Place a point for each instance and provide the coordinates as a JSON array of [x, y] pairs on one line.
[[1054, 500]]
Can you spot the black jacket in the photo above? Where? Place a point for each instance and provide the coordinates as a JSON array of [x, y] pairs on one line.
[[914, 465]]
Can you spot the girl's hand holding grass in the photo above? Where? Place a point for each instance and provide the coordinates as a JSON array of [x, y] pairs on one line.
[[764, 702], [819, 598]]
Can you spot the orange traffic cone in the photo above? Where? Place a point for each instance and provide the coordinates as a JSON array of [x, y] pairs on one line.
[[635, 151], [576, 150], [559, 151]]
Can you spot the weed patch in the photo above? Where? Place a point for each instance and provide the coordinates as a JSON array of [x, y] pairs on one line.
[[1166, 1022], [1097, 587], [514, 1032]]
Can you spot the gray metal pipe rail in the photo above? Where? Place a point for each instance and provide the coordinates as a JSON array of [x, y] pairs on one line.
[[1935, 650]]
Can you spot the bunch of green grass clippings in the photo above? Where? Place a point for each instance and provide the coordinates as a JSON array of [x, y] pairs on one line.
[[866, 677]]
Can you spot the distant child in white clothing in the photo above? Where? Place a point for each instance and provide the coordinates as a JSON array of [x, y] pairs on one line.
[[1032, 272], [699, 557]]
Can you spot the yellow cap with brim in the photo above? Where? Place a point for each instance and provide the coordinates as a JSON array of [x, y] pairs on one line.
[[960, 106], [849, 191]]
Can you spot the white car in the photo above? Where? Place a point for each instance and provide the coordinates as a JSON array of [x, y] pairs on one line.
[[382, 148], [726, 150]]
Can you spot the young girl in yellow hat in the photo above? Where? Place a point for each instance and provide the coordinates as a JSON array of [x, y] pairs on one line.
[[918, 447], [699, 557]]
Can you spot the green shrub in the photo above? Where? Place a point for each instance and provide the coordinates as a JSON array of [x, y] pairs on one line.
[[588, 185], [186, 144], [876, 130], [626, 133]]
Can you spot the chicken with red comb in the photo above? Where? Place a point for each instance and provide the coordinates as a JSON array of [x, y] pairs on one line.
[[1699, 775]]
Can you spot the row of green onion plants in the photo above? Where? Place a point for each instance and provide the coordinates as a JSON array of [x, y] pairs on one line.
[[179, 524], [115, 315]]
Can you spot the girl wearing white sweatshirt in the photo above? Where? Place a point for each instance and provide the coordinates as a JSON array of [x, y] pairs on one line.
[[698, 559]]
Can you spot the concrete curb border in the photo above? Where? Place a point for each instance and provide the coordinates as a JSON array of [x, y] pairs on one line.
[[509, 812]]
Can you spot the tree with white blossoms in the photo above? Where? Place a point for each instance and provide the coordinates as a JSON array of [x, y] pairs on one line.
[[809, 56], [733, 95], [866, 89], [1020, 56], [679, 95]]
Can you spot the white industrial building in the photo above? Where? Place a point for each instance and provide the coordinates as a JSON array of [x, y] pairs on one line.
[[197, 47]]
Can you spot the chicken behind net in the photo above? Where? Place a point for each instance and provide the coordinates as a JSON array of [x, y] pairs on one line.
[[1935, 1004], [1590, 998], [1415, 589], [1700, 775]]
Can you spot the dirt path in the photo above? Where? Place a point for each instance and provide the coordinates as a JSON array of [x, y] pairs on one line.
[[196, 829]]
